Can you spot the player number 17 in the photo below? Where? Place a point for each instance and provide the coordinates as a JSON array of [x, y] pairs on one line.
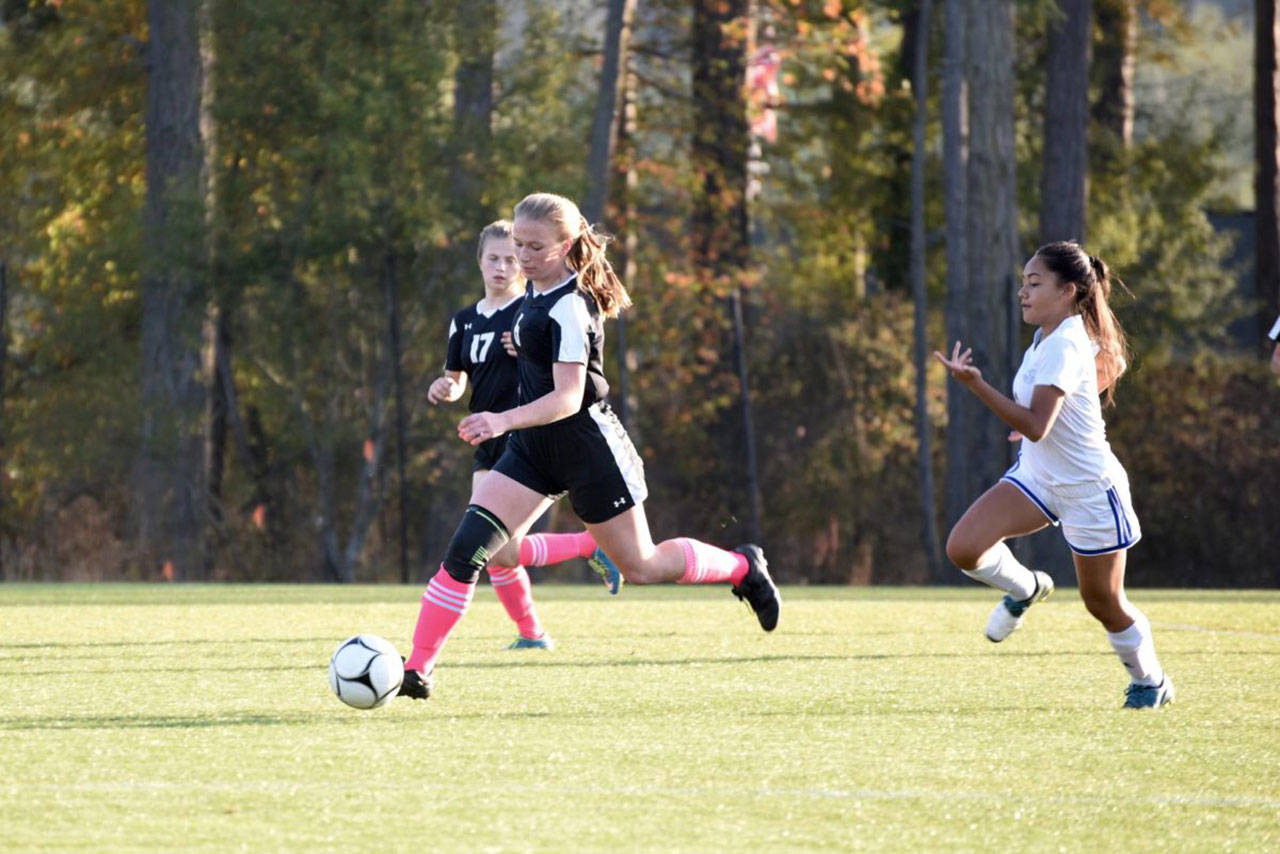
[[480, 346]]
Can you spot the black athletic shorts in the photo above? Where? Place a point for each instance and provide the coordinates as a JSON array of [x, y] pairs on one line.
[[588, 455], [489, 452]]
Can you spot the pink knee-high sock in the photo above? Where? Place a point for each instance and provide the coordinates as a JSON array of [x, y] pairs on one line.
[[546, 549], [706, 564], [512, 587], [443, 604]]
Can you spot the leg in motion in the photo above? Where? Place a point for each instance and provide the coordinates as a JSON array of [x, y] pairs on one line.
[[683, 560], [448, 595], [1101, 579], [977, 547], [511, 585], [480, 535], [546, 549]]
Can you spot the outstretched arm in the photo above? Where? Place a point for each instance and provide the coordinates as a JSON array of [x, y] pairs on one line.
[[1032, 422]]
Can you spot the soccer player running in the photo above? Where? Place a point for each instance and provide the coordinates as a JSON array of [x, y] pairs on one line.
[[1065, 474], [475, 352], [565, 439]]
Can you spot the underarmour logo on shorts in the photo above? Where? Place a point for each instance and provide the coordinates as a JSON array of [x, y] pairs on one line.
[[619, 502]]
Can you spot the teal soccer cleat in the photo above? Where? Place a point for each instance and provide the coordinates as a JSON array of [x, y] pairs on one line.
[[522, 642], [1149, 696], [606, 569]]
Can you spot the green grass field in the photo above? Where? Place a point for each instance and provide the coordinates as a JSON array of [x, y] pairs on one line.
[[199, 718]]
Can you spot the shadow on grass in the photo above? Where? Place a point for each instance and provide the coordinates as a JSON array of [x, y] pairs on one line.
[[759, 659], [174, 642], [13, 724], [196, 668]]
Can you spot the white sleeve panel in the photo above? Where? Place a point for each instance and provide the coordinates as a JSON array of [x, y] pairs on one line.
[[1274, 334], [571, 316], [1062, 364]]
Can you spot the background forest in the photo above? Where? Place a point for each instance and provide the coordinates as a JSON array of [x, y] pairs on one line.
[[233, 232]]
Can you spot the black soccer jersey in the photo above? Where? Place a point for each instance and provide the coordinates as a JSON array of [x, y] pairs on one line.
[[475, 348], [559, 325]]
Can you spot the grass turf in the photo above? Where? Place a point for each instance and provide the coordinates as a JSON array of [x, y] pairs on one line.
[[199, 718]]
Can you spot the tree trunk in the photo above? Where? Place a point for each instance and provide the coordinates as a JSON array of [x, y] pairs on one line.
[[609, 98], [218, 352], [606, 176], [1267, 175], [955, 156], [169, 475], [1112, 70], [1063, 190], [1064, 167], [4, 361], [992, 227], [620, 216], [394, 348], [924, 427], [476, 29], [721, 46]]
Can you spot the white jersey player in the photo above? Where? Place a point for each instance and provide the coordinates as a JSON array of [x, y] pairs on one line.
[[1066, 474]]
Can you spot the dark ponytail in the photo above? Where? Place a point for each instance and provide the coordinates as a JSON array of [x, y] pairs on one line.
[[1092, 281]]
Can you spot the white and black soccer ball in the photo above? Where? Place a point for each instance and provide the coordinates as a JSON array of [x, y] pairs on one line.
[[365, 671]]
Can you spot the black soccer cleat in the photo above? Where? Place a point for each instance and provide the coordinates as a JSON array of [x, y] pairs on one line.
[[416, 686], [757, 589]]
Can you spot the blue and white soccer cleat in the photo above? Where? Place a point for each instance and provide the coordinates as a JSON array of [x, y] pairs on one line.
[[522, 642], [1149, 696], [606, 569], [1007, 616]]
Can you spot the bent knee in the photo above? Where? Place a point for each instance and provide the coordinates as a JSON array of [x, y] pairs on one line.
[[639, 573], [963, 552]]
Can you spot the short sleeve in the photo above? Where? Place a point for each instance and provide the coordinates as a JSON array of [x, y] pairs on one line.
[[453, 356], [1063, 364], [572, 321], [1274, 334]]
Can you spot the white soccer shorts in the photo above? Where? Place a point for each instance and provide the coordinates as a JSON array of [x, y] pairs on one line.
[[1096, 518]]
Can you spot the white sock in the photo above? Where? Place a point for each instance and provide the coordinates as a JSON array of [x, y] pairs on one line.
[[1137, 650], [998, 568]]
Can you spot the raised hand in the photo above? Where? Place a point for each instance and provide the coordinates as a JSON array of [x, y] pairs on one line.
[[960, 364]]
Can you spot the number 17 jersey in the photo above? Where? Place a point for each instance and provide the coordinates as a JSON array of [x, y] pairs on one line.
[[475, 348]]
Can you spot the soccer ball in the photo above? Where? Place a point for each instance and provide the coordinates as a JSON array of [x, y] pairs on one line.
[[365, 671]]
